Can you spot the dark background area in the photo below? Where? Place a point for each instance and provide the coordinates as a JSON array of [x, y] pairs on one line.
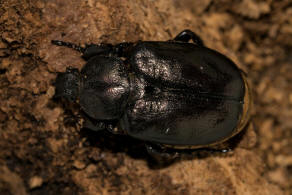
[[42, 147]]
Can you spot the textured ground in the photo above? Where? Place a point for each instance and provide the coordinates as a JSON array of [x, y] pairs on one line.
[[42, 147]]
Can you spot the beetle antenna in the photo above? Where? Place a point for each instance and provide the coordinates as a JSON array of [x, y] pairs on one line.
[[68, 44]]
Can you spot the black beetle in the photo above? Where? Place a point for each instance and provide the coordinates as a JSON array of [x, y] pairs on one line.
[[174, 94]]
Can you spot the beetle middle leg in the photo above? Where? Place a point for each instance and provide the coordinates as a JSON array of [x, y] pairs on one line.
[[187, 35]]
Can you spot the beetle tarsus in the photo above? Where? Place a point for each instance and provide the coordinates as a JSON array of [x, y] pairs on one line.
[[187, 35]]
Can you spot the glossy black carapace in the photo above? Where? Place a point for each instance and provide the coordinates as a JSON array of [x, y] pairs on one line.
[[172, 93]]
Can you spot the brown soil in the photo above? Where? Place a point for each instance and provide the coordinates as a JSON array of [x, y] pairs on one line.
[[42, 147]]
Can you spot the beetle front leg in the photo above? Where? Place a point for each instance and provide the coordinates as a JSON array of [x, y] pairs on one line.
[[119, 50], [114, 130], [123, 49], [98, 126], [187, 35], [97, 49]]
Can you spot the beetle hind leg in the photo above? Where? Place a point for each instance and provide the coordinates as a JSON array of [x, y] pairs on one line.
[[166, 156], [187, 35], [161, 155]]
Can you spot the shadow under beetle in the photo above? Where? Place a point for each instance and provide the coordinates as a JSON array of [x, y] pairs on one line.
[[171, 94]]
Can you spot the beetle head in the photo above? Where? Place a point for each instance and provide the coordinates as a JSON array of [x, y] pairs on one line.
[[67, 84]]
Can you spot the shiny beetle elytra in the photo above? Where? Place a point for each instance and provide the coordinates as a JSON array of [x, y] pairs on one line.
[[174, 94]]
